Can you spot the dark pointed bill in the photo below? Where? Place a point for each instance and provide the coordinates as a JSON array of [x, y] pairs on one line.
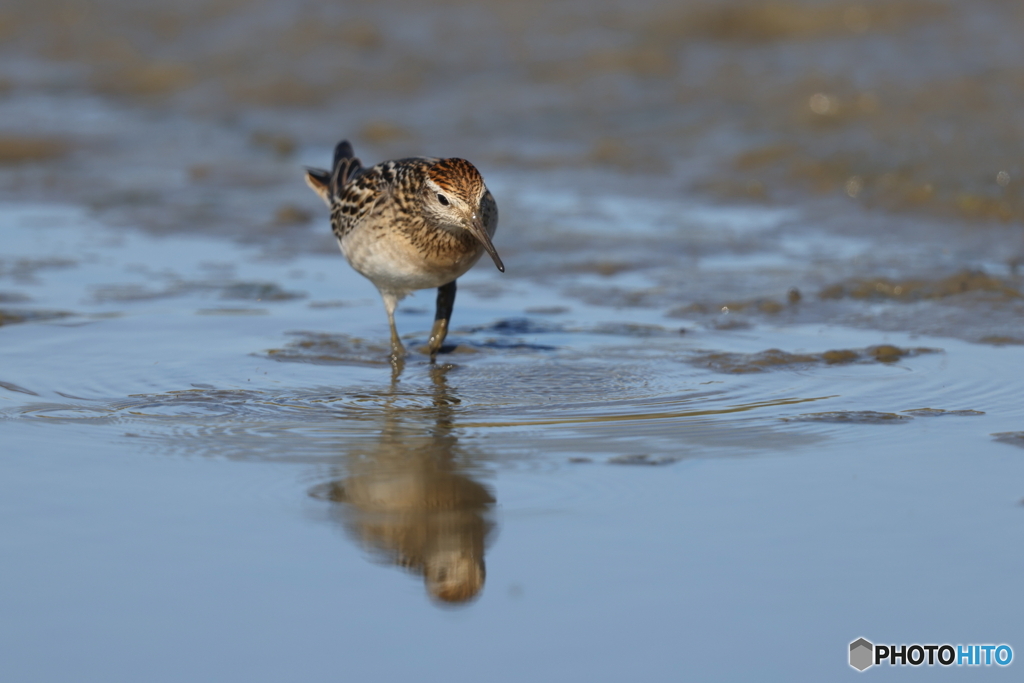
[[476, 228]]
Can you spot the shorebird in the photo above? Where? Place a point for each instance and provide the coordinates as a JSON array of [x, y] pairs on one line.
[[409, 224]]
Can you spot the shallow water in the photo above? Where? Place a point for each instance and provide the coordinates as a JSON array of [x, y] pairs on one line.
[[738, 388], [207, 451]]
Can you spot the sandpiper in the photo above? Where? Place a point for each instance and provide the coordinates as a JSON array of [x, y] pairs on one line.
[[409, 224]]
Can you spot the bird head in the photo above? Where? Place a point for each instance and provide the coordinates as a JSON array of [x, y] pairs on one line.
[[454, 195]]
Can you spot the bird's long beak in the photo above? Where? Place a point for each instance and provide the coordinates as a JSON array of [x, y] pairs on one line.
[[476, 228]]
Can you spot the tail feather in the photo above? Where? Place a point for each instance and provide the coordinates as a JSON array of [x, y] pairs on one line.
[[346, 166], [343, 150], [319, 181]]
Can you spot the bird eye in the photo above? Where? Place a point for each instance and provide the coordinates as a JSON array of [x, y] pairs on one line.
[[444, 200]]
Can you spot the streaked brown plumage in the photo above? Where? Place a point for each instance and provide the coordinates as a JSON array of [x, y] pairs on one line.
[[409, 224]]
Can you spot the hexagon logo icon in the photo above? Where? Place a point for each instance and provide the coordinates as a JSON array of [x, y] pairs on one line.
[[861, 654]]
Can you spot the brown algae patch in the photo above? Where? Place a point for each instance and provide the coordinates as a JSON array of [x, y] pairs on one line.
[[334, 303], [133, 78], [915, 290], [25, 269], [27, 149], [764, 22], [11, 317], [1001, 340], [513, 326], [259, 291], [11, 386], [380, 132], [137, 292], [761, 305], [232, 311], [290, 214], [603, 267], [237, 291], [1012, 438], [281, 145], [642, 459], [865, 417], [519, 326], [547, 310], [939, 412], [331, 349], [629, 330], [740, 363]]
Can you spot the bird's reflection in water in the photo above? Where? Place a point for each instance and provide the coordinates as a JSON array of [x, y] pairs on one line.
[[408, 499]]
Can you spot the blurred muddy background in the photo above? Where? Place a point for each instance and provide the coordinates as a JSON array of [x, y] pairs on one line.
[[911, 106], [194, 116], [754, 249]]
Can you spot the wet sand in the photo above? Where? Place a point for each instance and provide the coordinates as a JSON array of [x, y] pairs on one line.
[[752, 374]]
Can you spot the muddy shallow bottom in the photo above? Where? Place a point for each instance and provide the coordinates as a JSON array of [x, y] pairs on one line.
[[211, 471]]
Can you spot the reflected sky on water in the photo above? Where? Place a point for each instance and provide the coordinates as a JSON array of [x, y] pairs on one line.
[[751, 378]]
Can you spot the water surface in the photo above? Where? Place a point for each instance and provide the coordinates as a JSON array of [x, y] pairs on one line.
[[751, 378]]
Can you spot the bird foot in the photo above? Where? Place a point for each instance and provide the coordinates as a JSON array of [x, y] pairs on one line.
[[397, 352], [437, 335], [397, 358]]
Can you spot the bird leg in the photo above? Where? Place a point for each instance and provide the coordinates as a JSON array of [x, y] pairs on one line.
[[445, 304], [397, 350]]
